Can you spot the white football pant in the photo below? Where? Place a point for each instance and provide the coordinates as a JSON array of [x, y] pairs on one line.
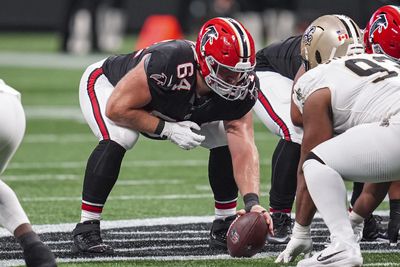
[[12, 121], [273, 106], [364, 153]]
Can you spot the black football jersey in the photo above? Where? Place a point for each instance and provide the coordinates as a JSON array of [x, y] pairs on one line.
[[282, 57], [171, 75]]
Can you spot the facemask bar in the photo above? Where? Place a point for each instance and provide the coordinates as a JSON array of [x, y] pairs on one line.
[[230, 91]]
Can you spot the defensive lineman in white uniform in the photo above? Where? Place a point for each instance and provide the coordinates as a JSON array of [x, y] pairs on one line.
[[12, 216], [357, 100], [349, 110]]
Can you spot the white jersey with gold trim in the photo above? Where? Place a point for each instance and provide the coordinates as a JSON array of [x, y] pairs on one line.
[[364, 88]]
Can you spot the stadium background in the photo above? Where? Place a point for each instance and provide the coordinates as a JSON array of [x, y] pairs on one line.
[[157, 179]]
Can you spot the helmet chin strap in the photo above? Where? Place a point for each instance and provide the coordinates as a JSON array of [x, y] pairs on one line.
[[202, 88]]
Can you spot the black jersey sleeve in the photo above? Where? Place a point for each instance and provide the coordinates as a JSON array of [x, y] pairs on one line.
[[171, 66], [282, 57]]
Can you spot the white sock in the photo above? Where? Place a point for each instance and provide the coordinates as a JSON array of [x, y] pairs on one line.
[[11, 213], [89, 216], [328, 192], [223, 213], [355, 218]]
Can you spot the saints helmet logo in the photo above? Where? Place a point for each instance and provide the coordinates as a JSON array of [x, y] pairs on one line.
[[379, 24], [209, 36], [308, 35]]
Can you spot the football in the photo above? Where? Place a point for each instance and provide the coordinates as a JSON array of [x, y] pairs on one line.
[[246, 235]]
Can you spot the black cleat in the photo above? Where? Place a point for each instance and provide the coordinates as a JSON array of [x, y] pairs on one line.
[[87, 239], [393, 228], [282, 228], [373, 228], [218, 231], [39, 255]]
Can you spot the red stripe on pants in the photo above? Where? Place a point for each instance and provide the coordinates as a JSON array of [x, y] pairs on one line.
[[95, 103]]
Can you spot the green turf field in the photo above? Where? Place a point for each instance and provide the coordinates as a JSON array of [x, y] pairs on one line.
[[157, 178]]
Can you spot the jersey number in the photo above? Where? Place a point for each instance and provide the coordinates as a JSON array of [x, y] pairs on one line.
[[364, 67], [183, 71]]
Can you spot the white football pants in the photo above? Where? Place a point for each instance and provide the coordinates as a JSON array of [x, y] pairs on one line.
[[364, 153], [12, 121], [273, 106]]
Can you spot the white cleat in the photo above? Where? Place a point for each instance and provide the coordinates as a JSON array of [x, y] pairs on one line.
[[336, 254]]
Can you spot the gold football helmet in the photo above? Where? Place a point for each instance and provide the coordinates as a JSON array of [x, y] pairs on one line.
[[330, 36]]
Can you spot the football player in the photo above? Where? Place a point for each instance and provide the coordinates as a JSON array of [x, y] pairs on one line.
[[12, 216], [348, 105], [191, 94], [381, 36], [276, 68]]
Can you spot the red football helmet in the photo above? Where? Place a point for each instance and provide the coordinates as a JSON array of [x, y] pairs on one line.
[[382, 34], [226, 54]]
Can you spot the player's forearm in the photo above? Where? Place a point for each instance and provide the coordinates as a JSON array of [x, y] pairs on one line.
[[135, 119], [246, 169]]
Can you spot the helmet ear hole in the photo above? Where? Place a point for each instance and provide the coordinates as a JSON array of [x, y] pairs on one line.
[[318, 57]]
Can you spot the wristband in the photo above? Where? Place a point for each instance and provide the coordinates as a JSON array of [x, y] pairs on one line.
[[160, 127], [250, 199]]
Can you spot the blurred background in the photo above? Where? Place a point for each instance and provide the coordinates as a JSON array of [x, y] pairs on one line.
[[112, 26]]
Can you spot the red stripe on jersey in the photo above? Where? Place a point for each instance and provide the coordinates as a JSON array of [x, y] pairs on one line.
[[225, 206], [267, 106], [95, 103], [91, 208]]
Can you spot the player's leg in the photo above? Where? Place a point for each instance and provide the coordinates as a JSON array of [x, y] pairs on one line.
[[371, 227], [365, 225], [12, 215], [104, 163], [394, 222], [273, 109], [222, 182], [372, 150]]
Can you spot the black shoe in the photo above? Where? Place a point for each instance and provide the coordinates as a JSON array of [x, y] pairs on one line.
[[39, 255], [218, 231], [373, 228], [87, 239], [282, 228], [393, 228]]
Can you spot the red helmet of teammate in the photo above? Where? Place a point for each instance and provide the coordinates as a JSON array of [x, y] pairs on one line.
[[382, 34], [226, 55]]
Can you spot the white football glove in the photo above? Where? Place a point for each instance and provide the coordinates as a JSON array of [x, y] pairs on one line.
[[180, 133], [300, 242]]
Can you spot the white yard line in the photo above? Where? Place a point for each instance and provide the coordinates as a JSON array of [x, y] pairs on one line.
[[80, 164], [122, 197], [182, 258], [67, 227], [54, 112], [63, 177], [48, 60]]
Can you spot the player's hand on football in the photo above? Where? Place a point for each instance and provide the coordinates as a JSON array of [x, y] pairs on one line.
[[300, 242], [181, 134], [268, 219]]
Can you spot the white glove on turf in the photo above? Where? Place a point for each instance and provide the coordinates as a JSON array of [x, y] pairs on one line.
[[180, 133], [300, 242]]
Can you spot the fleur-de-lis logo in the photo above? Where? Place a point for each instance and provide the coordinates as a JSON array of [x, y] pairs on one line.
[[308, 35]]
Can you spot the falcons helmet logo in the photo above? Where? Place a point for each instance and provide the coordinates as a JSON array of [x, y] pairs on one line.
[[209, 36], [379, 24]]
